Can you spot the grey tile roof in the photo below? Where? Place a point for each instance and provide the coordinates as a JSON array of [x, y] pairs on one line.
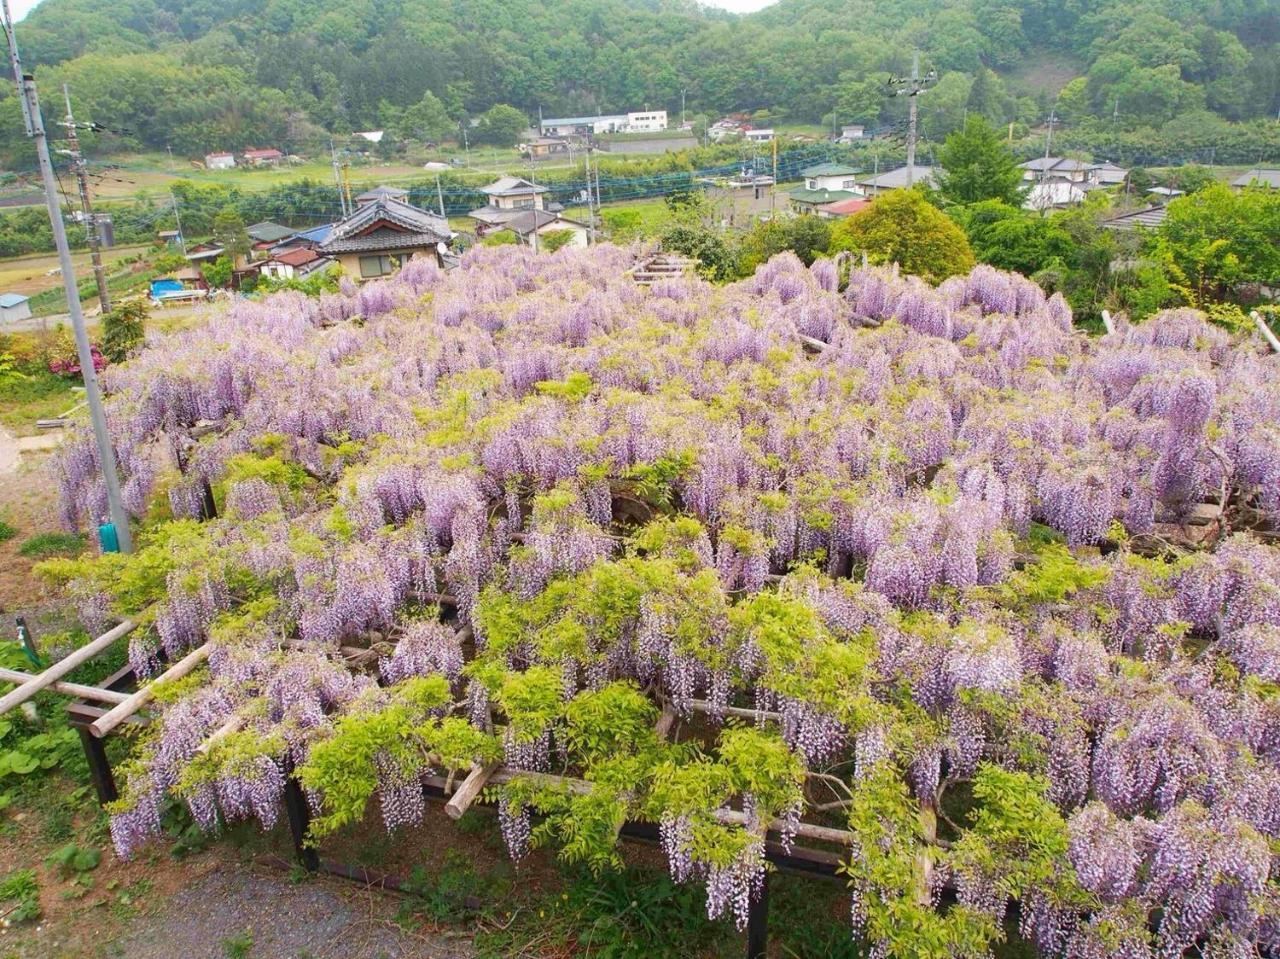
[[530, 220], [1149, 218], [419, 228], [492, 215], [896, 179], [511, 186], [268, 232], [394, 192]]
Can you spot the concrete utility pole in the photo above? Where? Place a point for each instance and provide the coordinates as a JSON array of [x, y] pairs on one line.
[[440, 194], [912, 87], [79, 167], [35, 129], [1048, 142], [337, 178]]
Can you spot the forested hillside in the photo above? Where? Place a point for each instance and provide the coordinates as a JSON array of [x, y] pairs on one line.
[[199, 74]]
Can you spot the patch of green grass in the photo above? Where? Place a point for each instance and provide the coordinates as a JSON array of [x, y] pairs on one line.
[[639, 913], [22, 890], [457, 893], [44, 545], [7, 532], [239, 946], [36, 396]]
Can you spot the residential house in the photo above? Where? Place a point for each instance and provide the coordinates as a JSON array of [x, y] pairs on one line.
[[843, 208], [1108, 174], [762, 135], [1258, 177], [14, 307], [899, 179], [305, 240], [831, 176], [219, 161], [266, 235], [509, 196], [1148, 218], [809, 201], [380, 237], [263, 157], [724, 129], [537, 223], [1054, 193], [545, 148], [1041, 168], [294, 264], [382, 193]]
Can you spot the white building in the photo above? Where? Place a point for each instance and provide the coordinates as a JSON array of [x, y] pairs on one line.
[[1053, 194], [646, 121], [14, 307], [583, 126], [831, 176], [764, 135], [219, 161], [651, 121], [852, 131]]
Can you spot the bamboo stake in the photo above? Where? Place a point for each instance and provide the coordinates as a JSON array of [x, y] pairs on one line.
[[1107, 322], [104, 724], [69, 689], [44, 680], [1265, 330], [470, 789]]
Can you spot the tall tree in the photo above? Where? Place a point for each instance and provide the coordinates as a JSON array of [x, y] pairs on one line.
[[978, 166], [230, 233], [501, 126], [903, 227]]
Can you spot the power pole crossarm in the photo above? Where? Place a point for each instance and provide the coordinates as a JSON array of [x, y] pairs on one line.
[[97, 415]]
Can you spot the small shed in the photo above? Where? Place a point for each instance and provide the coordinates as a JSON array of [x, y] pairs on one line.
[[14, 307], [219, 161]]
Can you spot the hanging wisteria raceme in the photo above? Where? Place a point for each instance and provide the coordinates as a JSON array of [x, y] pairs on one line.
[[997, 599]]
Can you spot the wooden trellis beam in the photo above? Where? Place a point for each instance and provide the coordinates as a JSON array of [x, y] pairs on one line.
[[62, 667], [136, 701]]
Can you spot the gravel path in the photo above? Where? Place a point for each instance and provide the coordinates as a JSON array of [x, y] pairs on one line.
[[231, 909], [10, 457]]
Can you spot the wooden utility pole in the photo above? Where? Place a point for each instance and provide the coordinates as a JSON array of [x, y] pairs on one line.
[[89, 218]]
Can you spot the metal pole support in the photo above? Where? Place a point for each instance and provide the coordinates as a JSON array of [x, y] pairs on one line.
[[295, 804], [758, 922], [95, 754]]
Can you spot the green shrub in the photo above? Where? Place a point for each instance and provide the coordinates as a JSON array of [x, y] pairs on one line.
[[7, 532], [123, 330]]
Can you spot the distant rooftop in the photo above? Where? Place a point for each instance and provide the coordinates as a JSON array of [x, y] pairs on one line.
[[1258, 177], [897, 179], [830, 169]]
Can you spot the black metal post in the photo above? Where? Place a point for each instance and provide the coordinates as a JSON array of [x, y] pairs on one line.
[[208, 509], [295, 804], [95, 753], [758, 922]]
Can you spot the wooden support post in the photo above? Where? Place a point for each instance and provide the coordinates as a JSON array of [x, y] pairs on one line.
[[69, 689], [299, 813], [758, 922], [95, 754], [59, 669], [469, 791], [144, 695]]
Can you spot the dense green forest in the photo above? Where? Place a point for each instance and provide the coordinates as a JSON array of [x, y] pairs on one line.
[[1142, 76]]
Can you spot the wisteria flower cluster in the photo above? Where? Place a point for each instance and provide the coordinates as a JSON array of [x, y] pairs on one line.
[[995, 600]]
